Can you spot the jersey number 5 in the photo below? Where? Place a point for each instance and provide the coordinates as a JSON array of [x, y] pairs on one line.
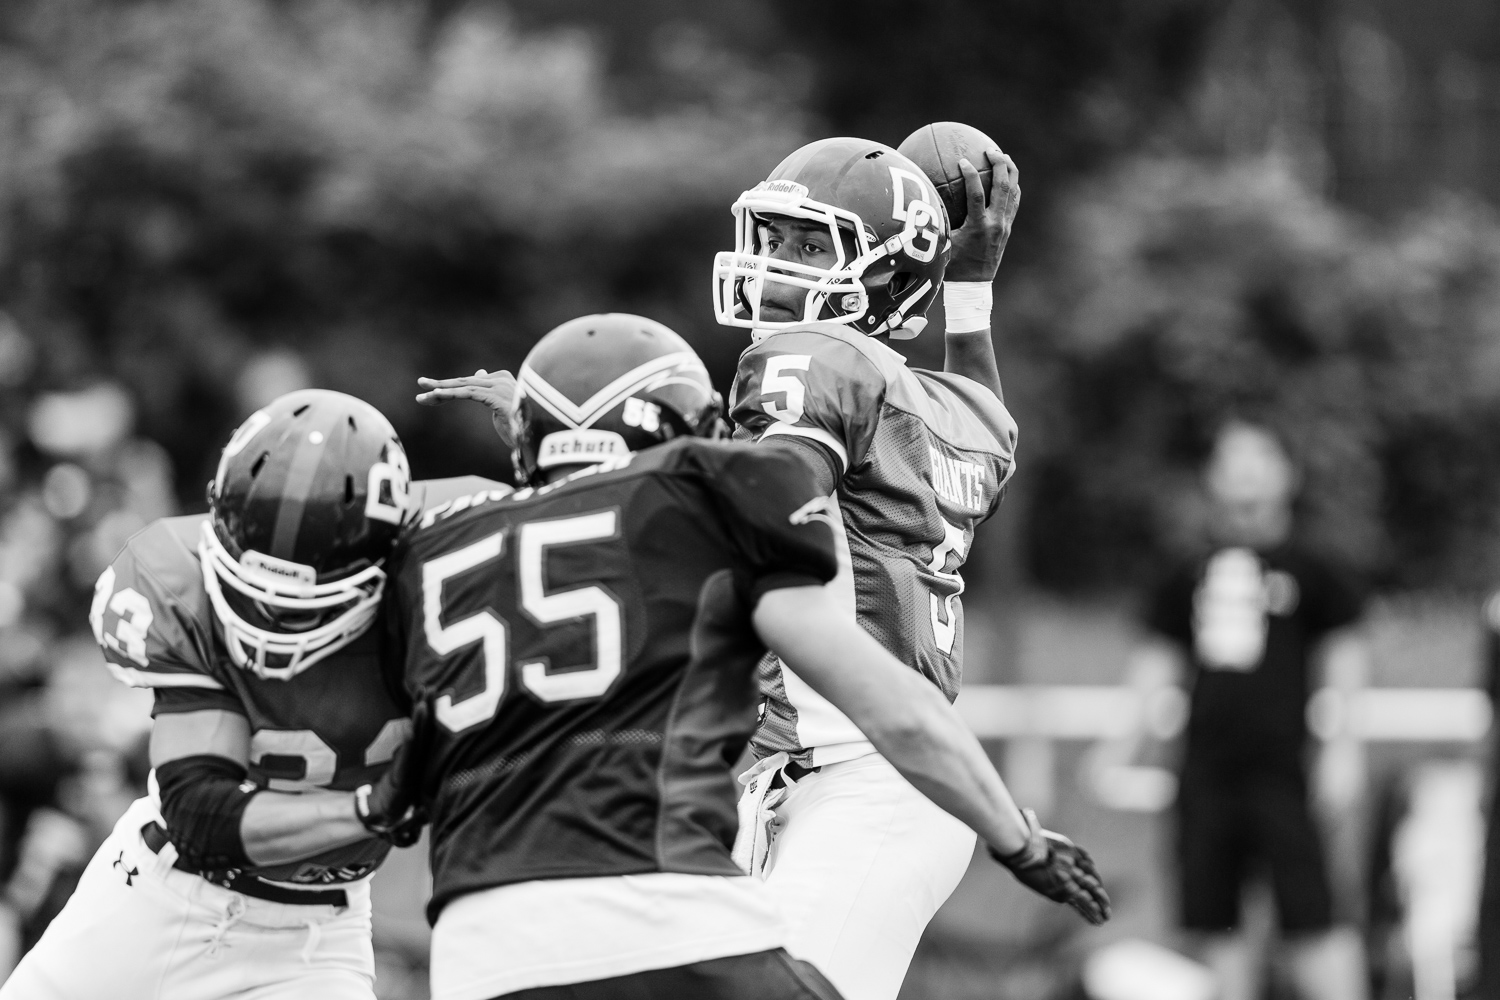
[[774, 381], [493, 633]]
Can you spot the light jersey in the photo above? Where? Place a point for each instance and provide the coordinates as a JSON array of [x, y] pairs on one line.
[[922, 459], [334, 725]]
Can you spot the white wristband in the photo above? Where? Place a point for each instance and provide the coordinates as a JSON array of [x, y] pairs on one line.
[[968, 305]]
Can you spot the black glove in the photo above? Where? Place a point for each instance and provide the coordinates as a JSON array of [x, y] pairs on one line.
[[1053, 866], [392, 807]]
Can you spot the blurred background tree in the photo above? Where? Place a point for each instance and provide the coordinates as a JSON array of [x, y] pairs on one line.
[[214, 202], [1240, 207]]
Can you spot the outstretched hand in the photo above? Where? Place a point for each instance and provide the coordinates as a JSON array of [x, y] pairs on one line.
[[1053, 866], [496, 391], [980, 242]]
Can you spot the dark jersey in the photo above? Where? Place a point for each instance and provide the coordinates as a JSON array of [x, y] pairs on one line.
[[334, 725], [589, 655], [1249, 622]]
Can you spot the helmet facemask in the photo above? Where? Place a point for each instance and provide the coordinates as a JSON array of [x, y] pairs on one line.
[[340, 610], [840, 294], [833, 295]]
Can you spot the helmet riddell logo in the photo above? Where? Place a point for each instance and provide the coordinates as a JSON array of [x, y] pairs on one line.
[[791, 189], [278, 569]]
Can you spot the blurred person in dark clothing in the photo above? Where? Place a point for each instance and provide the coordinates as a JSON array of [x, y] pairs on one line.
[[1248, 619], [1489, 903]]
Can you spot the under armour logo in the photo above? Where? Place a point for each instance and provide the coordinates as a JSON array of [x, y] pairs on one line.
[[130, 873]]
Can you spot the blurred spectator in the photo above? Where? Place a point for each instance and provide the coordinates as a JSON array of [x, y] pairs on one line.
[[1489, 907], [74, 484], [1248, 619]]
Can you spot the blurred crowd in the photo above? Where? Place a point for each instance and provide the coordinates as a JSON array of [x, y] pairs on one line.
[[76, 481]]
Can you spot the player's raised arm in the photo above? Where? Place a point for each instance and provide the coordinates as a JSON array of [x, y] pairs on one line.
[[981, 192], [913, 726], [978, 245]]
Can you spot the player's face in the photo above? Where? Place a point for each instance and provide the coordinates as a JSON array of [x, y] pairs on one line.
[[800, 241]]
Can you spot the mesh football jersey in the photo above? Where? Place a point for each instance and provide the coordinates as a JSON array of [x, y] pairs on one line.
[[588, 651], [334, 725], [923, 459]]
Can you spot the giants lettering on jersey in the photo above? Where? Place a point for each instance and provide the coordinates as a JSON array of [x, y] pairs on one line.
[[957, 481]]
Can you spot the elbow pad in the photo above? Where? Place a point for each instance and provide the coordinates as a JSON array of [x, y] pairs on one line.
[[203, 800]]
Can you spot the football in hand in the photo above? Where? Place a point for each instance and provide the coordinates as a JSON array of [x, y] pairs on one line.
[[937, 148]]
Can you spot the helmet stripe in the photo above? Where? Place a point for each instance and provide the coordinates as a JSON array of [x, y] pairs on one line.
[[300, 475], [583, 415]]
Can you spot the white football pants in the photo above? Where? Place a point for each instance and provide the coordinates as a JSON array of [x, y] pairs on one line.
[[138, 929], [859, 861]]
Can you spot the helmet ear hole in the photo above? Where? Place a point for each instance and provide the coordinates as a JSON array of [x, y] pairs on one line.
[[901, 283]]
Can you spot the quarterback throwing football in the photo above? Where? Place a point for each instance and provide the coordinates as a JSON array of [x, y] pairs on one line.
[[843, 248]]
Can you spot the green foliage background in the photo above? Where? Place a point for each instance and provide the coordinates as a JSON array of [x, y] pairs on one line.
[[392, 189]]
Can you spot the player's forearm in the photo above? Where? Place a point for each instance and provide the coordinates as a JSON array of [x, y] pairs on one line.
[[934, 751], [968, 340], [972, 355], [279, 827], [899, 711]]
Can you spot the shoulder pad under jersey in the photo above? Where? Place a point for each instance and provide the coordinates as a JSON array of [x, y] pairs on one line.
[[961, 412], [427, 494], [823, 382], [150, 614]]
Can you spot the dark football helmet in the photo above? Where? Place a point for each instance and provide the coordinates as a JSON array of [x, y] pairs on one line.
[[308, 499], [603, 387], [888, 207]]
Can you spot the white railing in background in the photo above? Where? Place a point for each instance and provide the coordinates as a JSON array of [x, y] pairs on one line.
[[1119, 720], [1437, 850], [1101, 712]]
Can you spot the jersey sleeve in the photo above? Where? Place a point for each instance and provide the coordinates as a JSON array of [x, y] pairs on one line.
[[393, 623], [776, 518], [143, 618], [171, 700], [812, 386]]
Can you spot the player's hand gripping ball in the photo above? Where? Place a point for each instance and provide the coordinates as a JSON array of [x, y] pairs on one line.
[[980, 190], [391, 808], [1053, 866]]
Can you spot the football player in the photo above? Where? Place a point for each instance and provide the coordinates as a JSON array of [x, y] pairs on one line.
[[246, 871], [583, 653], [841, 250]]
